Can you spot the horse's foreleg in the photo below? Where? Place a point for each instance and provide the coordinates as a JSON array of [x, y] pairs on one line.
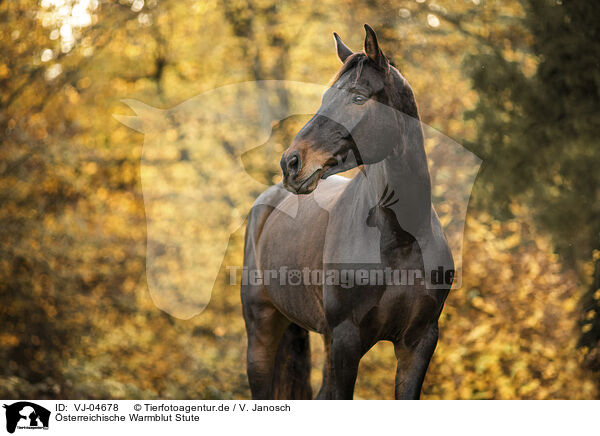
[[265, 327], [413, 360], [326, 391], [345, 356], [291, 374]]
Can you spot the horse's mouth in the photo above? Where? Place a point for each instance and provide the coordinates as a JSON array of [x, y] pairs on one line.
[[339, 164], [331, 170], [307, 186], [335, 164]]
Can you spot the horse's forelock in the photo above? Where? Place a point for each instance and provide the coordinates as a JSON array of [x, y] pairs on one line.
[[355, 60]]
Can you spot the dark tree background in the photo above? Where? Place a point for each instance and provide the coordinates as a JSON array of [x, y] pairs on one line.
[[538, 136]]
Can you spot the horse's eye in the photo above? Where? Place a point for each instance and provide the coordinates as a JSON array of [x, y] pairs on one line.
[[359, 99]]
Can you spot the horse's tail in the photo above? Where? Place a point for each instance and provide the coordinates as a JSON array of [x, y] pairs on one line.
[[291, 376]]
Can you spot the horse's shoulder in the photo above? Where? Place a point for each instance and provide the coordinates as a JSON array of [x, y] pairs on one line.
[[329, 190], [277, 197], [272, 196]]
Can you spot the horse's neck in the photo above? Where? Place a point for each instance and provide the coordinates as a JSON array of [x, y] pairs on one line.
[[404, 173], [407, 175]]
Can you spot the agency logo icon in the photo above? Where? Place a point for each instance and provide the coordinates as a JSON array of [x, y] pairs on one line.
[[26, 415]]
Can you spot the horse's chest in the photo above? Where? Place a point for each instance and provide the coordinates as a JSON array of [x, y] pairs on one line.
[[289, 255], [349, 240]]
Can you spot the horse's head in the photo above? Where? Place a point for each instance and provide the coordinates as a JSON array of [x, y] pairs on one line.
[[358, 121]]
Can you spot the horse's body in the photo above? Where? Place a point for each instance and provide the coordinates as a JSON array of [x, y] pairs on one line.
[[340, 226]]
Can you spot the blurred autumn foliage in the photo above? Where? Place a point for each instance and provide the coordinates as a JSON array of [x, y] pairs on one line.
[[515, 82]]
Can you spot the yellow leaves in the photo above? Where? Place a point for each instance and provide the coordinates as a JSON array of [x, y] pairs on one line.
[[72, 95], [51, 311], [588, 269], [515, 337], [534, 319], [36, 120], [478, 332], [484, 306], [4, 71], [171, 135], [50, 185], [132, 51], [518, 209], [529, 388], [201, 8], [37, 123], [129, 285], [570, 305], [102, 194], [445, 220], [90, 168], [8, 340], [84, 83], [512, 241]]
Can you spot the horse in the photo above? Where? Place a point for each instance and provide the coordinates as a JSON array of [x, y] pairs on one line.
[[379, 223]]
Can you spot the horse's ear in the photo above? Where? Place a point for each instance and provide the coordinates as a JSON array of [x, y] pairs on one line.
[[342, 50], [372, 48]]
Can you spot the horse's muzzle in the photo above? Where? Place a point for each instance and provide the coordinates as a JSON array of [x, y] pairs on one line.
[[290, 166]]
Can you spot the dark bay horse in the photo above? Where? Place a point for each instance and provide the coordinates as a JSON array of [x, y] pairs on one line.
[[380, 228]]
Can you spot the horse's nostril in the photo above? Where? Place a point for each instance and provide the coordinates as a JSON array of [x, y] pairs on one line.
[[293, 163]]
